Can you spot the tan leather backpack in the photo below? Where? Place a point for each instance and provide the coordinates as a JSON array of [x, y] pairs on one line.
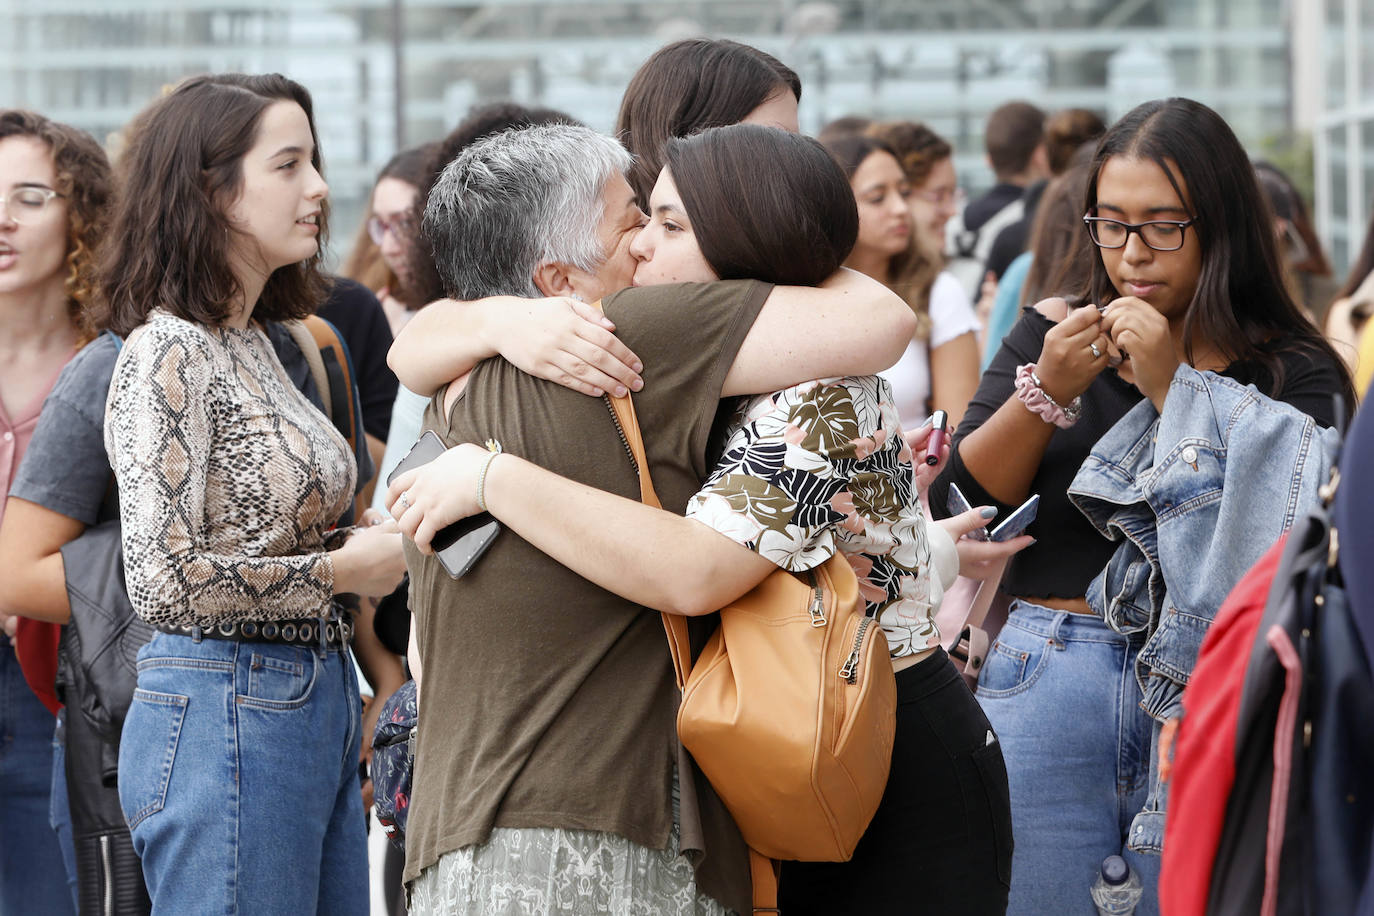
[[790, 708]]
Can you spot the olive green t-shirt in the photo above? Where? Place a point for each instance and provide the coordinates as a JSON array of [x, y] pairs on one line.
[[548, 701]]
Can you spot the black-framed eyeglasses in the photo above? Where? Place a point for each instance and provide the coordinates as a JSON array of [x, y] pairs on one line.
[[1159, 234], [26, 205], [377, 228]]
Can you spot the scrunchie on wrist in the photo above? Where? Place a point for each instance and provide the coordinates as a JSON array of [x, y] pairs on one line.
[[1039, 402]]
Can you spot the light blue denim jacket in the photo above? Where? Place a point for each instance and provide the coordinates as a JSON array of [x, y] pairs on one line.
[[1195, 496]]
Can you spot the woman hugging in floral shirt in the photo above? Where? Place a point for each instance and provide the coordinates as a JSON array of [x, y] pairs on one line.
[[823, 466]]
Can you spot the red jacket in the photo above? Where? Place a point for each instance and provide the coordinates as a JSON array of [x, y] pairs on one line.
[[1204, 751]]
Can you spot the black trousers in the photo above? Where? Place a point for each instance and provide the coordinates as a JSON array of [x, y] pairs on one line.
[[941, 840]]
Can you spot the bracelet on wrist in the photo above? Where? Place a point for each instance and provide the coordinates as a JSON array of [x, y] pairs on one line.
[[1040, 402], [493, 449]]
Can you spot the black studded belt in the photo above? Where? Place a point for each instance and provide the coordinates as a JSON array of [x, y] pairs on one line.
[[328, 633]]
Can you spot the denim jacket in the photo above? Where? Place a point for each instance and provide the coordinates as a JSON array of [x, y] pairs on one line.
[[1195, 496]]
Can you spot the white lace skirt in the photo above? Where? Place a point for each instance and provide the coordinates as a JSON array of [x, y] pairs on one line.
[[538, 871]]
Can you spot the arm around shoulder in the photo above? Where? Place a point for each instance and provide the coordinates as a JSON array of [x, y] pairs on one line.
[[850, 325]]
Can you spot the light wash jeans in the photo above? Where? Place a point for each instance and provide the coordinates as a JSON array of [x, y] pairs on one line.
[[1061, 693], [33, 877], [238, 774]]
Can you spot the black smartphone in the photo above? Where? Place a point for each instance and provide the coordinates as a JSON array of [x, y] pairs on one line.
[[461, 544]]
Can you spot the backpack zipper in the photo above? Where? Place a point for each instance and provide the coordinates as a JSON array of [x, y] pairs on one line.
[[850, 671], [817, 602]]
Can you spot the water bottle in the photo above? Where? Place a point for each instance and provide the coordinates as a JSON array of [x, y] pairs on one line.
[[1117, 889]]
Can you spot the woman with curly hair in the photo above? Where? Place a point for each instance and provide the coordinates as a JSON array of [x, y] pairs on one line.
[[55, 185]]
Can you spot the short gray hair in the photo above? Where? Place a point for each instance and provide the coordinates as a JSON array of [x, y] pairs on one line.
[[518, 199]]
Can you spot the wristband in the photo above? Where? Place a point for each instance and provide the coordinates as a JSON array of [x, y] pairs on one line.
[[1039, 401], [493, 449]]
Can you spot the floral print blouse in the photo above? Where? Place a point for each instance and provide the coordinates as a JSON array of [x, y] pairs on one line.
[[820, 467]]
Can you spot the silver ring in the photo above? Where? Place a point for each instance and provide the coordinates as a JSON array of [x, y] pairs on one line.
[[405, 499], [1097, 354]]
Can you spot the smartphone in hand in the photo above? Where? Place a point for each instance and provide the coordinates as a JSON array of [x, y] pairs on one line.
[[461, 544], [1017, 523], [1010, 527]]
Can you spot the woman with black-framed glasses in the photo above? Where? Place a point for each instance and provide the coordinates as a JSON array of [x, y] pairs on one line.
[[1184, 298]]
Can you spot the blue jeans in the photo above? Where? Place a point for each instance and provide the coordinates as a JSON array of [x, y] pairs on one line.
[[33, 877], [238, 774], [1061, 693], [59, 813]]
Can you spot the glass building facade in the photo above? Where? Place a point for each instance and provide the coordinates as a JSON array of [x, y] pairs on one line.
[[1343, 134], [389, 72]]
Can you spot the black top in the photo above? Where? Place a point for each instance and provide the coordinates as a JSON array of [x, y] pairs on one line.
[[982, 209], [1013, 239], [1069, 551], [355, 311]]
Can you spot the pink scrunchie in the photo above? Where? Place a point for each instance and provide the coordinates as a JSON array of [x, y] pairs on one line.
[[1039, 402]]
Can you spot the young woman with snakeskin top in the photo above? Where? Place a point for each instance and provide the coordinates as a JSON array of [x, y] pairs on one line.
[[246, 714]]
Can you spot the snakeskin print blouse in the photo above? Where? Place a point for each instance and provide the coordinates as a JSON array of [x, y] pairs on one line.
[[229, 479]]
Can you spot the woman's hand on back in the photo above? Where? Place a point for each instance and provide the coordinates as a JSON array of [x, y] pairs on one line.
[[1067, 364], [1138, 329], [565, 341]]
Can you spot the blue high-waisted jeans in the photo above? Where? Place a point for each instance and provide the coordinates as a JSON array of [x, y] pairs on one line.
[[1061, 693], [238, 774], [33, 878]]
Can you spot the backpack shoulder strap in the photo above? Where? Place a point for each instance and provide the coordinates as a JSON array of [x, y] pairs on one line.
[[338, 368], [305, 341]]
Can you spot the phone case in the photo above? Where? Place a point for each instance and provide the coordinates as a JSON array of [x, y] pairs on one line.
[[1018, 521], [461, 544]]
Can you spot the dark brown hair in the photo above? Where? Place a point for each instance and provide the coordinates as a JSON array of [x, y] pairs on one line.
[[1241, 305], [86, 183], [918, 148], [690, 85], [841, 126], [1012, 133], [1362, 266], [1065, 132], [791, 223], [424, 284], [1062, 253], [910, 274], [364, 262], [169, 245]]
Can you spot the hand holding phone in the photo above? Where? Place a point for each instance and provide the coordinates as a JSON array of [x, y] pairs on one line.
[[1010, 527]]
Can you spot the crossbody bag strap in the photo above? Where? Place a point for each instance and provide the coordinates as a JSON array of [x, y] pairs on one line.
[[763, 871], [674, 625]]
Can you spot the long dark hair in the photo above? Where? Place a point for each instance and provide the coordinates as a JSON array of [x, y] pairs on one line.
[[792, 223], [169, 244], [690, 85], [1241, 305], [86, 183], [1062, 253]]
